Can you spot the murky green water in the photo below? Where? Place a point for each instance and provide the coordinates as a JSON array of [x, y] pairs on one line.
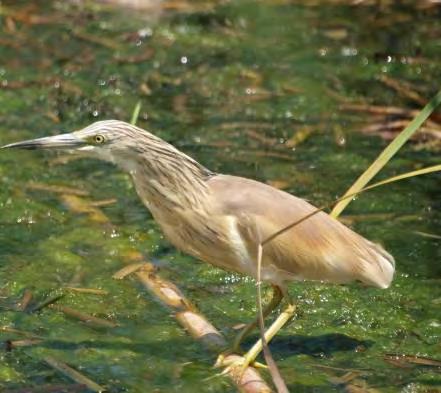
[[229, 85]]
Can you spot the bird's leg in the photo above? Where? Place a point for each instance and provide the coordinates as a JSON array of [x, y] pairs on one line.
[[276, 298], [237, 367], [283, 318]]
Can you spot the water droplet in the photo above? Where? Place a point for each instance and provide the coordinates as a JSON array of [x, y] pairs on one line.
[[323, 51], [348, 51], [114, 234], [146, 32]]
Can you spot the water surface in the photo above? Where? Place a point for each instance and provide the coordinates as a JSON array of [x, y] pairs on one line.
[[250, 88]]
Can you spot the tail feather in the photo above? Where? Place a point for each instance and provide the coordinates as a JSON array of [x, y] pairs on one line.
[[379, 270]]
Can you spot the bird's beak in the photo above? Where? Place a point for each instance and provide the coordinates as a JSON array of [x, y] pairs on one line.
[[63, 141]]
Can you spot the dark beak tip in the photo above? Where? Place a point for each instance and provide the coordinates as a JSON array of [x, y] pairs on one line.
[[8, 146], [62, 141], [17, 145]]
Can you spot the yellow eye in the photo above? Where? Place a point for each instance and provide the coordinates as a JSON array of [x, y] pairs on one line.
[[98, 138]]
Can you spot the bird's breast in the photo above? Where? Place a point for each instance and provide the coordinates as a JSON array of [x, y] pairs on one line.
[[210, 238]]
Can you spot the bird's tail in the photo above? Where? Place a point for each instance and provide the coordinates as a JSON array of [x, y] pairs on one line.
[[379, 270]]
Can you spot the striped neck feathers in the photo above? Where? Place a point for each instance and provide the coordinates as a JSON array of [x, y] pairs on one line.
[[165, 177]]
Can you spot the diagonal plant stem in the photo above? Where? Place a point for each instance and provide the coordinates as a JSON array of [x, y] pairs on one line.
[[135, 114], [388, 153], [272, 365], [186, 314], [275, 373], [340, 204], [419, 172]]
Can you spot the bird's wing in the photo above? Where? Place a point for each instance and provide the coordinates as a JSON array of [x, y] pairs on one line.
[[319, 248]]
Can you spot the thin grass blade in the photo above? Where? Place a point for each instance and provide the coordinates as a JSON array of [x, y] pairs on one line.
[[135, 113], [388, 153], [419, 172]]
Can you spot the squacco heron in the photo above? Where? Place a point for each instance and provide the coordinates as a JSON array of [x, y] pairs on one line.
[[221, 219]]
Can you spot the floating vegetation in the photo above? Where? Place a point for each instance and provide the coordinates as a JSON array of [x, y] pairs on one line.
[[301, 95], [73, 374]]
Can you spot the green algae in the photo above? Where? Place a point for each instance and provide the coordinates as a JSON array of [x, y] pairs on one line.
[[212, 76]]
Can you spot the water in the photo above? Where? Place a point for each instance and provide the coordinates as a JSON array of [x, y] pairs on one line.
[[231, 86]]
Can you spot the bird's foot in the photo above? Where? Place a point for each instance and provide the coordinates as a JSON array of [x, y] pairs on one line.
[[220, 361], [234, 351], [224, 358], [235, 365]]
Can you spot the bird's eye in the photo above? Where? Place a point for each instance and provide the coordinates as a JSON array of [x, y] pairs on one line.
[[99, 139]]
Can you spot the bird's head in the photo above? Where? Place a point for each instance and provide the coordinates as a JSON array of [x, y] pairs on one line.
[[146, 157], [109, 140]]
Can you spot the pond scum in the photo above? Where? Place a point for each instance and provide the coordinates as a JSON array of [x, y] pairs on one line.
[[32, 305]]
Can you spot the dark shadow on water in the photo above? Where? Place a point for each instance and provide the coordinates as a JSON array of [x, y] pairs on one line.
[[284, 346], [317, 346], [138, 347]]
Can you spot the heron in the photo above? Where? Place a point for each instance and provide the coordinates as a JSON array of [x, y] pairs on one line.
[[221, 219]]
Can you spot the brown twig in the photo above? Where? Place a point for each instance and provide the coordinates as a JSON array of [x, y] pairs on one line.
[[104, 202], [25, 300], [246, 124], [80, 205], [132, 268], [262, 139], [19, 332], [73, 374], [300, 136], [146, 55], [46, 303], [58, 189], [249, 381], [389, 129], [25, 343], [404, 89], [97, 40], [406, 360], [92, 291], [87, 318], [387, 111]]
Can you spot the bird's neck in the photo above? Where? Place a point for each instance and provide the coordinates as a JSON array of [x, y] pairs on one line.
[[169, 180]]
